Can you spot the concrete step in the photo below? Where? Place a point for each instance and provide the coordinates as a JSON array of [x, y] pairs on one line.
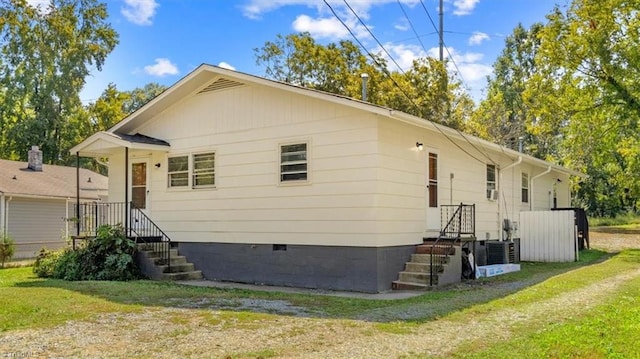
[[437, 249], [417, 267], [399, 285], [414, 277], [175, 268], [174, 260], [158, 254], [192, 275], [426, 258]]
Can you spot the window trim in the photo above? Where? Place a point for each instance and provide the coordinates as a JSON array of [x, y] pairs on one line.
[[191, 171], [491, 183], [169, 173], [307, 162], [522, 188]]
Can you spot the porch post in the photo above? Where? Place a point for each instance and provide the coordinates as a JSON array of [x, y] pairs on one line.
[[126, 190], [78, 193]]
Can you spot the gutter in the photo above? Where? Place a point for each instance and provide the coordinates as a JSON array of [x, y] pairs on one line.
[[532, 187]]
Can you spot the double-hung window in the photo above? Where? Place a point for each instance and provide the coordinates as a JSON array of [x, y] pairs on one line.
[[197, 170], [525, 188], [204, 169], [491, 180], [178, 171], [293, 162]]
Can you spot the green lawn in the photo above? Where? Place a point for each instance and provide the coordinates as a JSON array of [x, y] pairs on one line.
[[607, 329]]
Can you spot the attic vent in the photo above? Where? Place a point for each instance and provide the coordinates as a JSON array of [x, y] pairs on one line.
[[220, 84]]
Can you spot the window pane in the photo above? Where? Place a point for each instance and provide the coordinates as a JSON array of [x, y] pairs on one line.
[[204, 169], [139, 175], [203, 161], [491, 173], [139, 197], [178, 179], [293, 162], [177, 164], [204, 180]]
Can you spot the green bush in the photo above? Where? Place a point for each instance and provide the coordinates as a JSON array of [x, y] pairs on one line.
[[7, 249], [110, 256]]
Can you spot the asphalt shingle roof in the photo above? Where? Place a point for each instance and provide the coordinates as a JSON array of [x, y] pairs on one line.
[[53, 181]]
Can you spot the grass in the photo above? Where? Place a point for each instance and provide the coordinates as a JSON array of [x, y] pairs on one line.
[[608, 329], [628, 220]]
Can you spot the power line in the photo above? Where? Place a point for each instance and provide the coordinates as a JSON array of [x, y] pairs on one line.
[[411, 25], [386, 72]]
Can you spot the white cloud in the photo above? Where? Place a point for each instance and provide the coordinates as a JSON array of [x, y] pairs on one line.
[[402, 54], [162, 67], [225, 65], [330, 27], [402, 25], [254, 9], [139, 12], [477, 38], [464, 7]]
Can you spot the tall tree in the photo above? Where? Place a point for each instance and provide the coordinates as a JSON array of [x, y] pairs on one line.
[[424, 90], [503, 116], [45, 55], [587, 95]]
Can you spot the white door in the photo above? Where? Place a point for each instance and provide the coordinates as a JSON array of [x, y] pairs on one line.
[[432, 192], [139, 185]]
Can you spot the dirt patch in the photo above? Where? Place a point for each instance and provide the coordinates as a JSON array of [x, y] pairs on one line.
[[613, 241]]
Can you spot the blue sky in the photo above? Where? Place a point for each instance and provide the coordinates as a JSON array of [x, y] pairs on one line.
[[163, 40]]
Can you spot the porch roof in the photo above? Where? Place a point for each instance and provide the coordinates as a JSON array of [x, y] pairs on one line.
[[103, 143]]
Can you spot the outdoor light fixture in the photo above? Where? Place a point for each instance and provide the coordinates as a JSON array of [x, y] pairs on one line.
[[419, 146], [157, 165]]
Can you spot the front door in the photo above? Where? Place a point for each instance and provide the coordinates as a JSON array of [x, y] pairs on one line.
[[432, 193], [139, 191]]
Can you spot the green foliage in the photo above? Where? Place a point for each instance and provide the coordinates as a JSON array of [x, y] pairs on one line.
[[626, 219], [45, 56], [7, 248], [110, 256], [425, 90]]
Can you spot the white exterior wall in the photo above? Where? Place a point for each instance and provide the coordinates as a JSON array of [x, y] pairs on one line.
[[367, 180], [249, 204]]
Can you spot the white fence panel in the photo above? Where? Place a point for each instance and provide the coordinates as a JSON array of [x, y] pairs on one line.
[[548, 236]]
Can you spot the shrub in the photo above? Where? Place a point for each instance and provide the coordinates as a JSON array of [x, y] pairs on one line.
[[7, 249], [110, 256]]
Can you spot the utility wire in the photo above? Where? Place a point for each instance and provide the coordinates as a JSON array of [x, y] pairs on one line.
[[374, 36], [411, 25], [386, 72]]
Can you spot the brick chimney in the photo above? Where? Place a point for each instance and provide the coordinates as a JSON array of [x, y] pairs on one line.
[[35, 159]]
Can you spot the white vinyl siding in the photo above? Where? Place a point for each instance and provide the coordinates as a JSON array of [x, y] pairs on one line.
[[178, 171], [37, 223], [293, 162]]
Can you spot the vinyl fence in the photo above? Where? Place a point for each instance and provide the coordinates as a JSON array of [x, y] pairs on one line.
[[548, 236]]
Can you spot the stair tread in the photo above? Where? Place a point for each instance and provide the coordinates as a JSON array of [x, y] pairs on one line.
[[422, 285]]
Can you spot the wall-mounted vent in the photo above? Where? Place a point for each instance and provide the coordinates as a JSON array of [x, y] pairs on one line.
[[221, 84]]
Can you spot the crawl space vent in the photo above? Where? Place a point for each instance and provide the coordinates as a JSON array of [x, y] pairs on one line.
[[220, 84]]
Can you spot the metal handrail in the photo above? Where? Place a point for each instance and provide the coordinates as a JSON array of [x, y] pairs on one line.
[[148, 232], [457, 225]]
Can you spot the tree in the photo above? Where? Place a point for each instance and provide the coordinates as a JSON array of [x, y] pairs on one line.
[[504, 115], [45, 55], [425, 90], [587, 94]]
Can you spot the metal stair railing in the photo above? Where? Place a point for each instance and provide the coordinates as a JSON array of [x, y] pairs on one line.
[[91, 215], [460, 221]]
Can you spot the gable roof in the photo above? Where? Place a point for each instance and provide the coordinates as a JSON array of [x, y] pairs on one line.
[[206, 78], [52, 182]]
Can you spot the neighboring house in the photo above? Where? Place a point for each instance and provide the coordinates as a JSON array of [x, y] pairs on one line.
[[265, 182], [37, 200]]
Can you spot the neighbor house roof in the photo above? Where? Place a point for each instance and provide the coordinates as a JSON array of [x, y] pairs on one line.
[[16, 179], [209, 78]]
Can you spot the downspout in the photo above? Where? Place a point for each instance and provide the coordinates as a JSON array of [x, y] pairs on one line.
[[78, 194], [66, 216], [500, 210], [2, 219], [126, 190], [531, 206]]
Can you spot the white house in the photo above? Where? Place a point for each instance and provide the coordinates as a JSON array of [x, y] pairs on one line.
[[264, 182], [37, 200]]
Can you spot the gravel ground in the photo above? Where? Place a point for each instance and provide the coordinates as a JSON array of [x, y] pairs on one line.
[[203, 329]]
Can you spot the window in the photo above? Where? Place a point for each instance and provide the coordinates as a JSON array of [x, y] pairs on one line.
[[178, 169], [491, 179], [293, 162], [433, 180], [525, 188], [200, 166], [204, 169]]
